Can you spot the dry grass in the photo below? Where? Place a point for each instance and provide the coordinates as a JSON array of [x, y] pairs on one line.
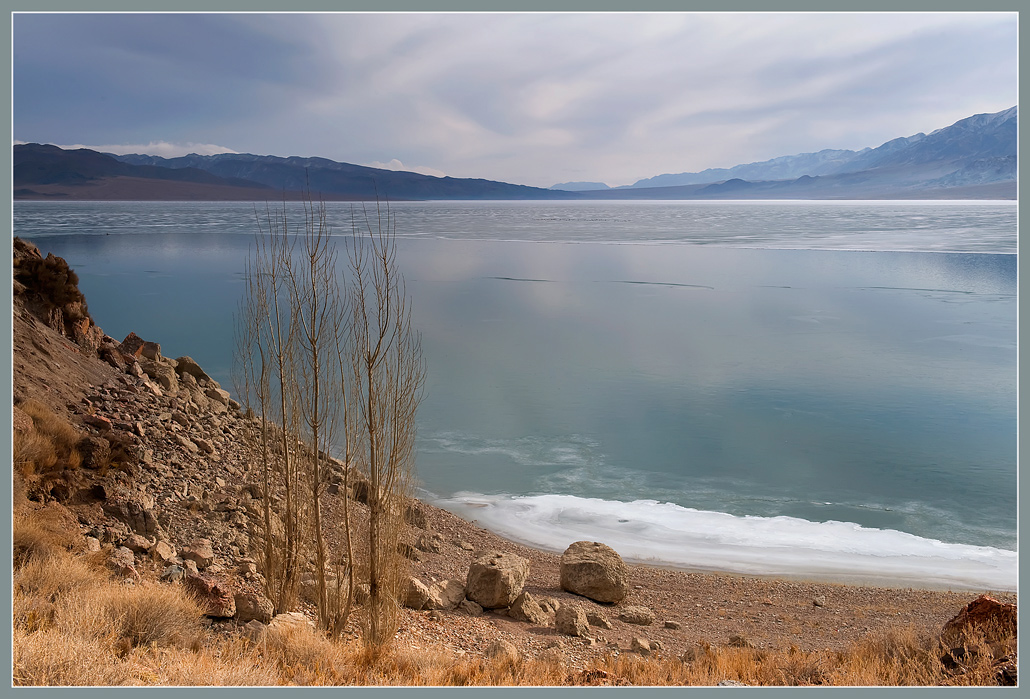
[[75, 625], [42, 533], [43, 454], [51, 443]]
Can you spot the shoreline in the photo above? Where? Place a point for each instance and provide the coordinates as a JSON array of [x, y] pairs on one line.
[[705, 606], [903, 570]]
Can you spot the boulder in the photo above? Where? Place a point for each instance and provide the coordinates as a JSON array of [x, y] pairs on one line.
[[996, 618], [132, 345], [214, 595], [161, 373], [123, 562], [162, 551], [641, 616], [430, 542], [95, 451], [470, 607], [98, 422], [640, 645], [86, 335], [595, 571], [152, 351], [599, 620], [571, 620], [186, 365], [136, 513], [218, 395], [503, 651], [137, 544], [416, 594], [254, 631], [113, 356], [495, 579], [447, 594], [253, 606], [526, 608], [200, 552]]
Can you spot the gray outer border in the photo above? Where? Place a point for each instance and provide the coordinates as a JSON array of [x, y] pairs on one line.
[[12, 6]]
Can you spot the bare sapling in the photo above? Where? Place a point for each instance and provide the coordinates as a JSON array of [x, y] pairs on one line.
[[317, 304], [388, 374]]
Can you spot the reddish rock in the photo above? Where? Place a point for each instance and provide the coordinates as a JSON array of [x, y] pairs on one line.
[[137, 544], [162, 551], [86, 335], [132, 345], [214, 595], [985, 613], [101, 423]]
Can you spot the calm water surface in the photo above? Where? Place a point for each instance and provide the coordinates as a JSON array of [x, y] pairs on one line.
[[795, 388]]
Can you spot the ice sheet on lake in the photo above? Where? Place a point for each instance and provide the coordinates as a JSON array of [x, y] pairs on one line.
[[667, 534]]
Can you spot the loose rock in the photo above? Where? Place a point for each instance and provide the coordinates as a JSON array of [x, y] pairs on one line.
[[571, 620], [642, 616], [495, 579], [594, 570]]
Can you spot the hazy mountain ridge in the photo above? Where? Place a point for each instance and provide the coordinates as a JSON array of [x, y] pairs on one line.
[[46, 171], [326, 176], [947, 154]]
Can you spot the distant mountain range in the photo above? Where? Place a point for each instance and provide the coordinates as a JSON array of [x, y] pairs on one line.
[[973, 158], [976, 155], [49, 172]]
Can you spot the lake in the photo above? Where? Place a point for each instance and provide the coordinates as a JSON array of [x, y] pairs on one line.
[[820, 389]]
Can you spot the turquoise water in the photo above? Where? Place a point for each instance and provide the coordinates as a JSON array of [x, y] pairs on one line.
[[812, 389]]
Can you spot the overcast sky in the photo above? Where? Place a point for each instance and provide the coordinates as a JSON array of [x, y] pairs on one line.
[[525, 98]]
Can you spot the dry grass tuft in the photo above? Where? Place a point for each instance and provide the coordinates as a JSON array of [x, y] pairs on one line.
[[48, 429], [145, 615], [43, 533], [51, 657], [232, 663], [56, 577], [303, 655]]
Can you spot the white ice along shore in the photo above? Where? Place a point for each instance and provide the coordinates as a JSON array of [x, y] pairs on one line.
[[665, 534]]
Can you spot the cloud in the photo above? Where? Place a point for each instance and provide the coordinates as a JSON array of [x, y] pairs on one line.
[[159, 148], [530, 98], [401, 167]]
